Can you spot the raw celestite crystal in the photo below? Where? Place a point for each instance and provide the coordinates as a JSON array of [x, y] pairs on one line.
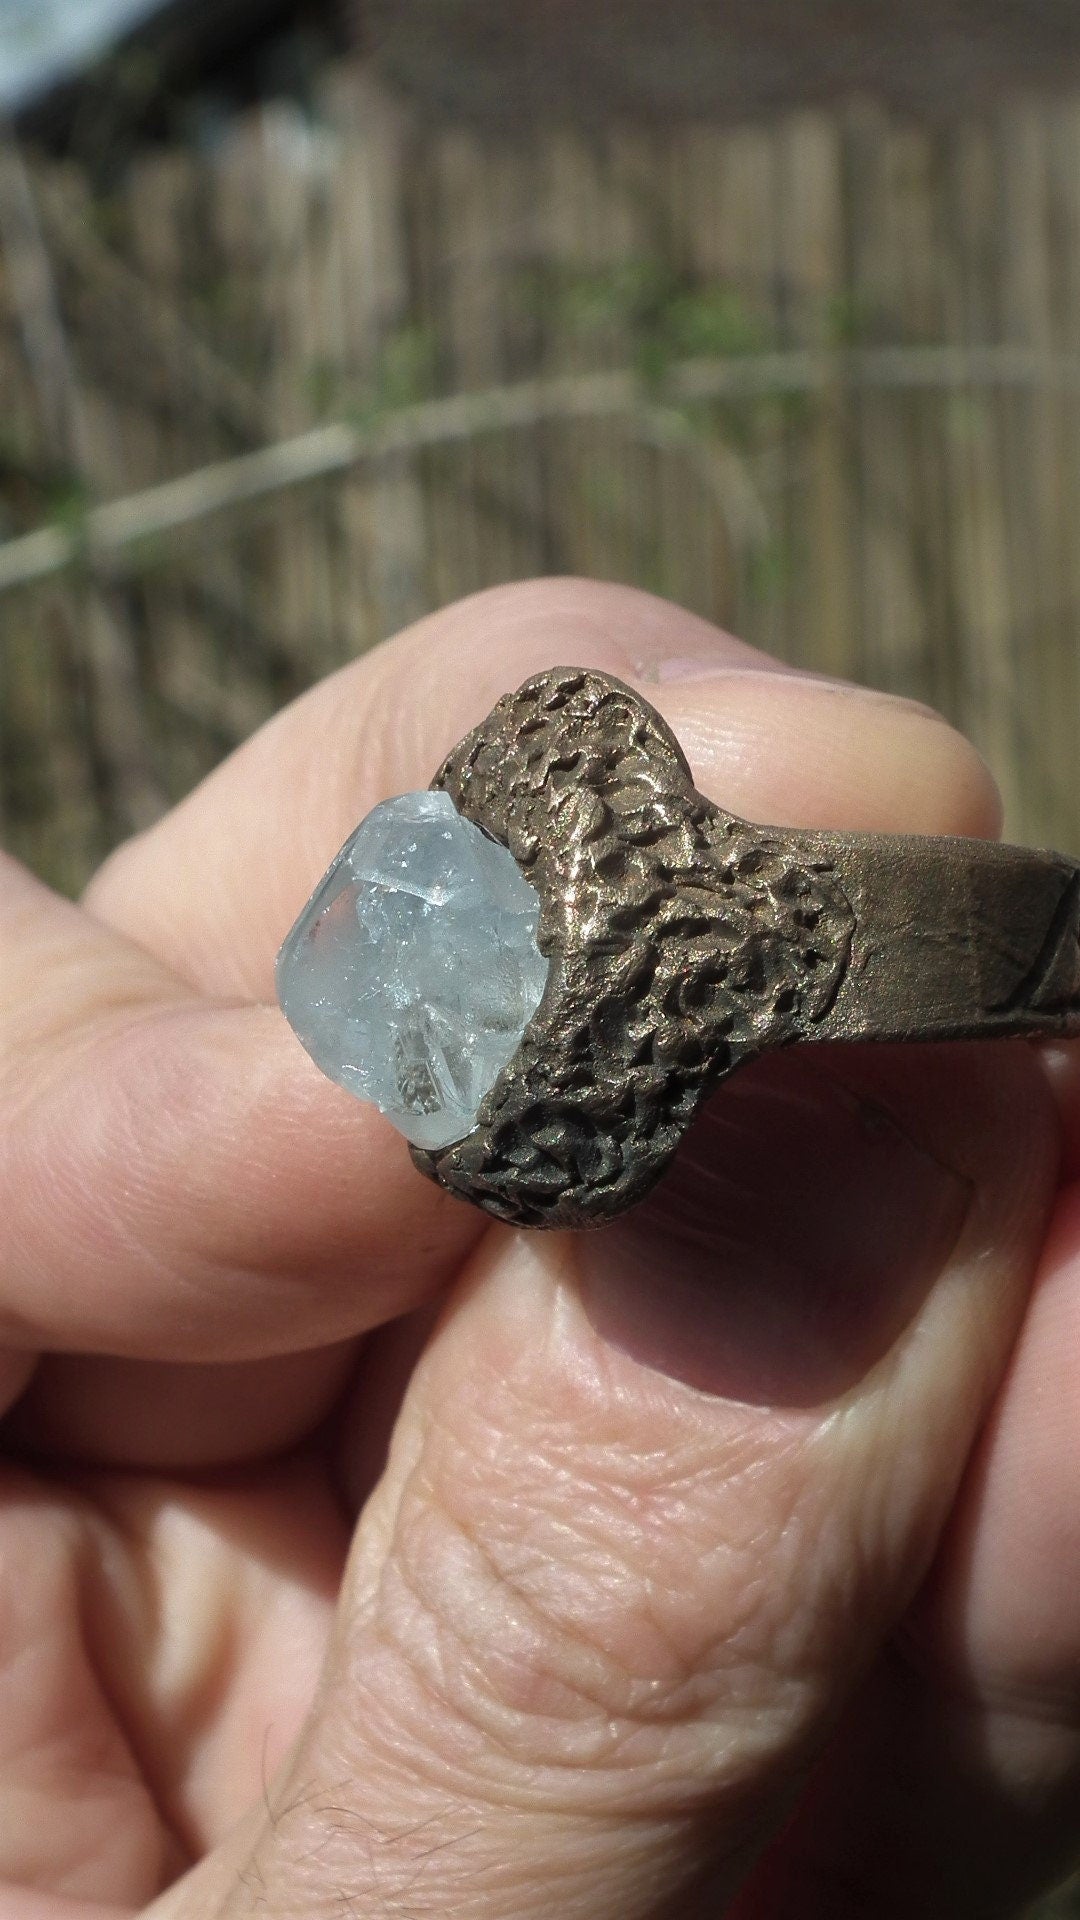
[[413, 970]]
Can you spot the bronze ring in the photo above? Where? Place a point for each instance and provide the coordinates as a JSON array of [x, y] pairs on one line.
[[684, 942]]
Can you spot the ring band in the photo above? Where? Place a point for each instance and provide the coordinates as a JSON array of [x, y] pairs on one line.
[[684, 942]]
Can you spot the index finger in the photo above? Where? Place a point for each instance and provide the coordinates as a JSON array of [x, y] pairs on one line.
[[215, 886], [189, 1187]]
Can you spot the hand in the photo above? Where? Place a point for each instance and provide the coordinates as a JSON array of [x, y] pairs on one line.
[[723, 1561]]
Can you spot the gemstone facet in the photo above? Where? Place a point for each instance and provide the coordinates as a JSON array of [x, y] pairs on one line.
[[413, 971]]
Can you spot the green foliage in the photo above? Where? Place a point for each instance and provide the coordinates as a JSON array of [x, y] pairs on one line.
[[322, 387], [406, 368], [603, 490], [219, 299], [665, 315], [770, 571], [848, 319], [969, 416], [68, 503], [406, 372], [713, 320], [632, 293]]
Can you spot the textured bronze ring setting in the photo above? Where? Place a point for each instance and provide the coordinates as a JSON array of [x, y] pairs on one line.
[[683, 941]]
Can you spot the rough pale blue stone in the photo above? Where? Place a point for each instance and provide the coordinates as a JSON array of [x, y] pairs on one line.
[[413, 971]]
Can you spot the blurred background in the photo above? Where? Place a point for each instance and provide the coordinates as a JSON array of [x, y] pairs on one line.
[[314, 316]]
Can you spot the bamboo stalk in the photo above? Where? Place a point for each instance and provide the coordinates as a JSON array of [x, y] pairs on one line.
[[324, 452], [105, 642]]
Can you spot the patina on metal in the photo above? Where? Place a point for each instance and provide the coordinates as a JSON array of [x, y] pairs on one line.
[[685, 942]]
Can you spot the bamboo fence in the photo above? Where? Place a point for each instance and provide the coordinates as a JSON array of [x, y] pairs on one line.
[[817, 378]]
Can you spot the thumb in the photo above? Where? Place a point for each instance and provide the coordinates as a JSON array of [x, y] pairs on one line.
[[177, 1183], [654, 1498]]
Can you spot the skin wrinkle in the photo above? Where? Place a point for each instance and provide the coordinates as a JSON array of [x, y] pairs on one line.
[[668, 1520], [501, 1576], [117, 1135], [549, 1638], [641, 1499], [580, 1583], [862, 1561], [633, 1493], [576, 1478], [100, 1615], [166, 1645], [107, 1017], [114, 1753], [855, 1523], [425, 1636], [178, 1852], [399, 1852], [672, 1782], [120, 1215]]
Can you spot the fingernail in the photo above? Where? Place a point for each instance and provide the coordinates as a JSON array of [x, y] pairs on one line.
[[797, 1234], [705, 667]]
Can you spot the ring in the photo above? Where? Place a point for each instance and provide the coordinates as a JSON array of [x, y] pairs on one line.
[[544, 964]]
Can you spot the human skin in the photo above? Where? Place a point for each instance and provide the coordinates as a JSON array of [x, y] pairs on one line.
[[726, 1560]]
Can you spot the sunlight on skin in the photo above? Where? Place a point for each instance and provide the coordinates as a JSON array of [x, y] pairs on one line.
[[582, 1587]]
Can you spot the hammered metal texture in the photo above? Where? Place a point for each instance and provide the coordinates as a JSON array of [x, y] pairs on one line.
[[682, 941]]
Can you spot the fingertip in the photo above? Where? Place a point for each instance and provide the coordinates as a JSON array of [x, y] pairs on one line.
[[215, 885], [195, 1190], [794, 750]]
